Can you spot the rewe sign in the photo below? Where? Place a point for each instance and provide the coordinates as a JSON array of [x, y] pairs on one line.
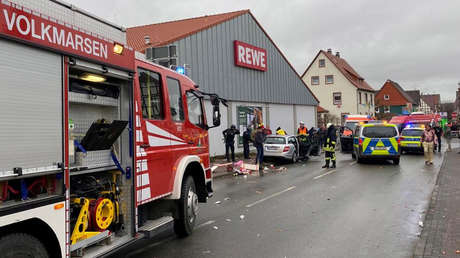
[[250, 56]]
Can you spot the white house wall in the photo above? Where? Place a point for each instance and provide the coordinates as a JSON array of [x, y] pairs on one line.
[[324, 92]]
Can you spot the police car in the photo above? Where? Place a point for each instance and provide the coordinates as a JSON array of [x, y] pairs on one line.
[[411, 139], [376, 141]]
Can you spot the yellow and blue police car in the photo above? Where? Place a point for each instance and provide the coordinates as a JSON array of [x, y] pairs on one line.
[[376, 141], [411, 139]]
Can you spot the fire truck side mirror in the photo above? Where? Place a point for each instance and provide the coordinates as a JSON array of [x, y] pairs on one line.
[[216, 115]]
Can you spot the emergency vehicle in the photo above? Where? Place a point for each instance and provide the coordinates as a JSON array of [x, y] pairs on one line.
[[376, 141], [351, 121], [415, 119], [98, 146], [411, 139]]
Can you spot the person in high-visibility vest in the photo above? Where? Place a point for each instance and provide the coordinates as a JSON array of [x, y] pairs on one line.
[[302, 130], [280, 131], [329, 146]]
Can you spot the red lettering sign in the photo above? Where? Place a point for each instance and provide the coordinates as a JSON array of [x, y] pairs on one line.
[[25, 24], [250, 56]]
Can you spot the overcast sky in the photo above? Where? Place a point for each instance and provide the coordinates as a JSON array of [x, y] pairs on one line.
[[415, 43]]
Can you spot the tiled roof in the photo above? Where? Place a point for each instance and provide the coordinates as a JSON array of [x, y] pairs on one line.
[[348, 71], [432, 100], [415, 95], [321, 110], [167, 32], [402, 91]]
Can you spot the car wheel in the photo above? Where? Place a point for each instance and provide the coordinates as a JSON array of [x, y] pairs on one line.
[[396, 161], [188, 208], [294, 158]]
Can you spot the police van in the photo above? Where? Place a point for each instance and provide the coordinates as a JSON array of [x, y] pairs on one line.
[[411, 139], [376, 141]]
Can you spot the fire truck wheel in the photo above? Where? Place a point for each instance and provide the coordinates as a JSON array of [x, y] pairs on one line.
[[22, 245], [188, 208]]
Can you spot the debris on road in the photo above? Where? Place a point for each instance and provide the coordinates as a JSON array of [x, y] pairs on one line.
[[241, 216], [258, 192], [420, 224], [258, 235], [218, 202], [226, 198], [215, 227], [206, 252], [228, 220]]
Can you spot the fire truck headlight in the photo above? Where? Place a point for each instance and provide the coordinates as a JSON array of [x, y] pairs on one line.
[[118, 49]]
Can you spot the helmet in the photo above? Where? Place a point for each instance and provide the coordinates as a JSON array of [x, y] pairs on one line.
[[329, 125], [301, 122], [233, 127], [261, 125]]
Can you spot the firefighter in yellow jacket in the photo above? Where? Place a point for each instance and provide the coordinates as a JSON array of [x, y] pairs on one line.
[[280, 131], [329, 146]]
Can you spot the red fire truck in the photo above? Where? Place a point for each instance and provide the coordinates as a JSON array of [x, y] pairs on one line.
[[98, 146]]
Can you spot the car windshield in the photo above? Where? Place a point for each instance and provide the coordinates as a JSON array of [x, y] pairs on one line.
[[275, 140], [350, 125], [412, 132], [379, 131]]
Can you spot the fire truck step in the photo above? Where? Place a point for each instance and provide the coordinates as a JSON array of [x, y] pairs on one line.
[[153, 227]]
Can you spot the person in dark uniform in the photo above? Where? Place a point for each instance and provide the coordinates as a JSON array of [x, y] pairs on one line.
[[259, 139], [438, 131], [246, 140], [329, 146], [229, 136]]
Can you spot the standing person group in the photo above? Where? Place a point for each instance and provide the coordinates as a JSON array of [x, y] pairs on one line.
[[428, 140], [329, 146], [229, 137]]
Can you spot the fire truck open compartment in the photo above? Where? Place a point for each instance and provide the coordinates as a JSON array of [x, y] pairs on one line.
[[101, 192]]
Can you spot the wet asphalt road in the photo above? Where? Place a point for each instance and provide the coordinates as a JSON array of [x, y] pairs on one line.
[[355, 210]]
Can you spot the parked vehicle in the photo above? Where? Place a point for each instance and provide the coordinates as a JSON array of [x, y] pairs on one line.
[[376, 141], [100, 147], [351, 121], [284, 147], [411, 139]]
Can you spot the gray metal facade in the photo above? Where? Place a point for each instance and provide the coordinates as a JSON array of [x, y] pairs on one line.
[[210, 55]]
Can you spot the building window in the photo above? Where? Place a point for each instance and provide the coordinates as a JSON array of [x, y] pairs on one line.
[[377, 110], [315, 80], [360, 99], [386, 97], [322, 63], [329, 79], [152, 97], [386, 109], [337, 98], [175, 100], [366, 97]]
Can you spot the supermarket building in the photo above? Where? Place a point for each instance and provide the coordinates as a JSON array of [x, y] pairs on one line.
[[230, 54]]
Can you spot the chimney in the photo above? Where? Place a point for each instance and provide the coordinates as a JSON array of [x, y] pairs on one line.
[[147, 39], [329, 51], [337, 54]]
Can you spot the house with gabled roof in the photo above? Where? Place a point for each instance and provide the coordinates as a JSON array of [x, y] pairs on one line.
[[392, 98], [232, 55], [337, 85]]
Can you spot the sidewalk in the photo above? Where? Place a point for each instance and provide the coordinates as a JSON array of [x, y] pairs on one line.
[[441, 232]]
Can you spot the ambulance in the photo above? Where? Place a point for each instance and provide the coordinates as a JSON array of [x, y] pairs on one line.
[[376, 141], [99, 146]]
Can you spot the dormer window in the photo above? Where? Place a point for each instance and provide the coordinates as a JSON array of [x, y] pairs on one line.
[[386, 97]]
